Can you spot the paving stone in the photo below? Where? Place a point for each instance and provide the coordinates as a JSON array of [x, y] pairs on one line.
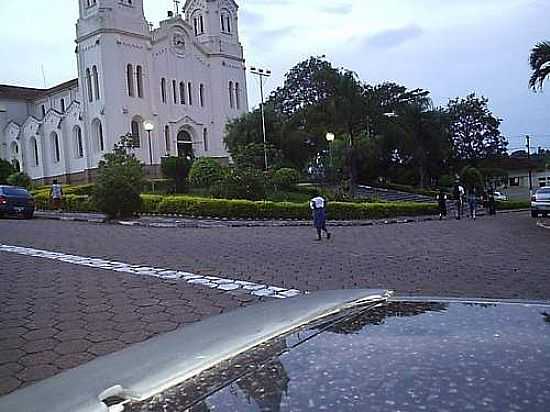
[[40, 345], [104, 348], [41, 358], [40, 334], [37, 373], [73, 360], [72, 346], [71, 334], [8, 384], [9, 369]]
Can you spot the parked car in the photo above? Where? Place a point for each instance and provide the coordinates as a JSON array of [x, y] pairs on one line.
[[341, 351], [540, 202], [501, 197], [16, 201]]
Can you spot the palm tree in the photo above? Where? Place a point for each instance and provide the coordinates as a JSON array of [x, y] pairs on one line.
[[540, 64]]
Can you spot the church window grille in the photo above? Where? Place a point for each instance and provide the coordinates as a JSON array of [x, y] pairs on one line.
[[56, 156], [238, 95], [43, 111], [226, 21], [196, 25], [89, 84], [201, 21], [139, 73], [182, 92], [205, 139], [62, 105], [175, 90], [231, 95], [201, 94], [97, 128], [130, 79], [163, 90], [167, 139], [96, 82], [78, 144], [34, 150], [190, 93], [136, 133]]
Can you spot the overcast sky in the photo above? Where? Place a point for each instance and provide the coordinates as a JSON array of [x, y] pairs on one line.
[[450, 47]]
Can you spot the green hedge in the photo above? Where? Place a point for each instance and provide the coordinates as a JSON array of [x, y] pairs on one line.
[[71, 203], [514, 205]]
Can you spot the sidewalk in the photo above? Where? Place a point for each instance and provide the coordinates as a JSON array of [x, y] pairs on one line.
[[205, 223]]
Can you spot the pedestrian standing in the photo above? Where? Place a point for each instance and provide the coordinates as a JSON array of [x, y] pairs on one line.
[[319, 207], [442, 204], [56, 195], [472, 203], [492, 204]]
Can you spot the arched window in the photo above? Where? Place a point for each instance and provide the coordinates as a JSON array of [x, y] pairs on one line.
[[78, 144], [201, 95], [130, 79], [56, 155], [62, 104], [201, 23], [182, 92], [34, 152], [163, 90], [238, 95], [167, 139], [136, 132], [43, 110], [95, 75], [231, 95], [190, 94], [175, 91], [185, 145], [139, 72], [89, 84], [226, 21], [97, 129], [205, 139]]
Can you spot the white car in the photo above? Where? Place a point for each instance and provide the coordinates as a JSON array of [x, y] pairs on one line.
[[499, 196], [540, 202]]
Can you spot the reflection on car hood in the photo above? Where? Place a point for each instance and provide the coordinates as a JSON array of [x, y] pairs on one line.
[[404, 355]]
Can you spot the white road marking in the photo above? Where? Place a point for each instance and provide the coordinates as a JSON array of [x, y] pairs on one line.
[[211, 282]]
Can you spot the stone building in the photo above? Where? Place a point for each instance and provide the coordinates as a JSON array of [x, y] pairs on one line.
[[187, 77]]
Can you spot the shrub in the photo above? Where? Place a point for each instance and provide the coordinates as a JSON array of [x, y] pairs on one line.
[[6, 170], [285, 179], [241, 183], [514, 205], [206, 173], [20, 180], [471, 177], [81, 190], [119, 183], [177, 169], [150, 203]]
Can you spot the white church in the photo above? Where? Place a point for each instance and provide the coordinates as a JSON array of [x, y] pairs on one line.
[[184, 80]]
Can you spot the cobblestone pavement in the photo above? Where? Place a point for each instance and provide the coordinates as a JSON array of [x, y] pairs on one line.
[[56, 315]]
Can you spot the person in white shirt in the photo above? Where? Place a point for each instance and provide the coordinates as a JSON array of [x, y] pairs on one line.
[[318, 204], [56, 195]]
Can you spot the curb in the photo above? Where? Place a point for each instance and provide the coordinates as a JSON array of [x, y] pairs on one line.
[[543, 225]]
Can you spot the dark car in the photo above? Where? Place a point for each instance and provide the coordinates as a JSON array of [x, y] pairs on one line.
[[331, 351], [16, 201]]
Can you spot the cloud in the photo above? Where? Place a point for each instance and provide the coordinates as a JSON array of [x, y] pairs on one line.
[[393, 38]]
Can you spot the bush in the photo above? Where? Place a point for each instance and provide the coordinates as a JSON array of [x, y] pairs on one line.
[[162, 186], [241, 183], [6, 170], [20, 180], [206, 173], [472, 178], [177, 169], [71, 203], [514, 205], [285, 179], [119, 183]]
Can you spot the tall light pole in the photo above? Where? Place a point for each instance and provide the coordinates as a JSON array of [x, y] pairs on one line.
[[149, 127], [530, 170], [262, 73], [330, 139]]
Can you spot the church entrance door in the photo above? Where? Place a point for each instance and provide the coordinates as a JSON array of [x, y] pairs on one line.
[[185, 145]]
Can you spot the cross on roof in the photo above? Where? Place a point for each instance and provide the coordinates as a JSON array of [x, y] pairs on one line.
[[177, 6]]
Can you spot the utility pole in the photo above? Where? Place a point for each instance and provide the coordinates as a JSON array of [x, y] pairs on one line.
[[261, 73], [530, 170]]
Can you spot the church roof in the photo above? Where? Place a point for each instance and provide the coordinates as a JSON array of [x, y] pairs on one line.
[[27, 93]]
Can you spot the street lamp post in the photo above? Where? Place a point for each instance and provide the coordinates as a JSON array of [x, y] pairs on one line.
[[149, 127], [262, 73], [330, 139]]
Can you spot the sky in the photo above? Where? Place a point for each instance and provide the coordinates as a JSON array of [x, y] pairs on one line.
[[449, 47]]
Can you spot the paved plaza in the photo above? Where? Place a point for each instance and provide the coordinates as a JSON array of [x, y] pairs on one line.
[[103, 289]]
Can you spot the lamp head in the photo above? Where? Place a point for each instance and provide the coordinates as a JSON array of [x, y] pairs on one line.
[[148, 126]]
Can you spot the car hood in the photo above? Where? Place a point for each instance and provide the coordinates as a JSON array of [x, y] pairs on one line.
[[334, 351]]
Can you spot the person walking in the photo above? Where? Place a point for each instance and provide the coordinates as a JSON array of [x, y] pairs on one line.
[[492, 204], [319, 205], [56, 195], [458, 194], [472, 203], [442, 204]]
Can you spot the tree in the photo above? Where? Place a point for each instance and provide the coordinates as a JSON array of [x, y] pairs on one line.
[[19, 179], [6, 169], [540, 65], [120, 182], [474, 131], [205, 173], [177, 169]]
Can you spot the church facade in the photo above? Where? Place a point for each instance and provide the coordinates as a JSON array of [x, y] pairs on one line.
[[185, 79]]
